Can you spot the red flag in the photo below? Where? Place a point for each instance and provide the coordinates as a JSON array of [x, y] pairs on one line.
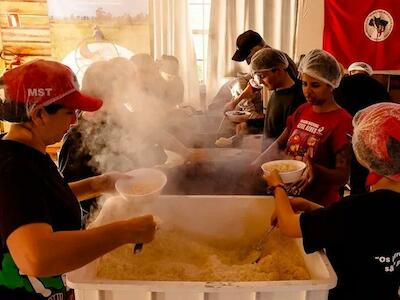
[[368, 31]]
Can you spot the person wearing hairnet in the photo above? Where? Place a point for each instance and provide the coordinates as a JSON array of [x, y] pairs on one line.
[[247, 45], [355, 92], [40, 215], [359, 233], [270, 68], [317, 132], [360, 67]]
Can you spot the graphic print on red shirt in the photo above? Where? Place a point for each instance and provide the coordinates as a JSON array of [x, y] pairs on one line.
[[320, 136], [305, 139]]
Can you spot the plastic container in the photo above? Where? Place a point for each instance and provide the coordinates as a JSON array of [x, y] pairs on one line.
[[216, 216], [287, 177], [145, 185]]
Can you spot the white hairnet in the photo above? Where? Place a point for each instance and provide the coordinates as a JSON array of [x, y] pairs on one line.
[[267, 59], [321, 65], [376, 138], [360, 66]]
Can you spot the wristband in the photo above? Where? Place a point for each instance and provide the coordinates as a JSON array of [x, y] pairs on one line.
[[281, 185]]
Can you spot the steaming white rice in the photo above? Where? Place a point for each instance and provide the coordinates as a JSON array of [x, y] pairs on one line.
[[282, 167], [142, 188], [172, 256]]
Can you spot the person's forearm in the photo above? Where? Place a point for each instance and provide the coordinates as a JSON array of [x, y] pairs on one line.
[[289, 221], [64, 251], [263, 157], [303, 204], [230, 105], [274, 149], [245, 94], [85, 189]]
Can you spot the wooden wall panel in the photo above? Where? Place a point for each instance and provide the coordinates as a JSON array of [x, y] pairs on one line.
[[27, 1], [24, 48], [31, 39], [30, 57], [26, 35], [27, 21], [24, 8]]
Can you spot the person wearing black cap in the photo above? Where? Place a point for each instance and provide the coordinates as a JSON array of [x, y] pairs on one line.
[[247, 44]]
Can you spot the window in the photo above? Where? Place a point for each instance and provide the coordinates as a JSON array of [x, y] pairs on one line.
[[199, 12]]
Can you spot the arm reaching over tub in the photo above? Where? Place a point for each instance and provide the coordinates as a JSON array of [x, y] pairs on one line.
[[287, 210], [95, 186], [43, 247], [273, 152]]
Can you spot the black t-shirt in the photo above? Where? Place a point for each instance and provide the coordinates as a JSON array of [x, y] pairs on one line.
[[31, 191], [354, 93], [359, 91], [282, 103], [362, 241]]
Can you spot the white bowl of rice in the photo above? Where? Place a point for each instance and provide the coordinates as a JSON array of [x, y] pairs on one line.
[[145, 185], [289, 170]]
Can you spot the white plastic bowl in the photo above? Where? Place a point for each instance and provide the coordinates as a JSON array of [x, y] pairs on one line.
[[145, 185], [237, 116], [287, 177]]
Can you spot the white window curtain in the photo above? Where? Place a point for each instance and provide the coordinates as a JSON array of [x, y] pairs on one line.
[[171, 35], [274, 20]]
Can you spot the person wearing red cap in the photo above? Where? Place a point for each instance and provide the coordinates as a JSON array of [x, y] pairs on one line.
[[359, 233], [40, 215]]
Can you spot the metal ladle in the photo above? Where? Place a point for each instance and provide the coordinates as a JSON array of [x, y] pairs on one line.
[[256, 252]]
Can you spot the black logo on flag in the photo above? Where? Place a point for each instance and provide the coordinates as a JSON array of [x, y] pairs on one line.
[[378, 25]]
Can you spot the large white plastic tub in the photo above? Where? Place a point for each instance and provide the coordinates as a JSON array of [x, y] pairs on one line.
[[218, 216]]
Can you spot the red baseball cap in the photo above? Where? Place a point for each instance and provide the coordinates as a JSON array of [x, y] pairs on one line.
[[44, 82]]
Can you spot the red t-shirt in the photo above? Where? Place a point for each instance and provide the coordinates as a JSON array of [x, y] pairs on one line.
[[321, 136]]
